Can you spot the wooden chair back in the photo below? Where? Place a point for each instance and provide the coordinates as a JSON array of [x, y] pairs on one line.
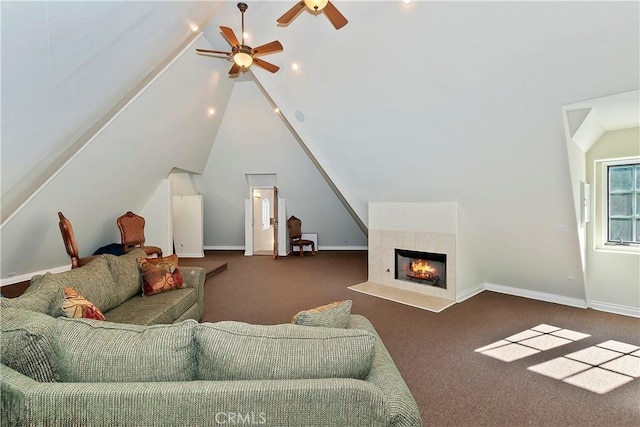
[[132, 234], [70, 245]]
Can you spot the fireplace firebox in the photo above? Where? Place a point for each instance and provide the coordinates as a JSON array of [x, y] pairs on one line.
[[424, 268]]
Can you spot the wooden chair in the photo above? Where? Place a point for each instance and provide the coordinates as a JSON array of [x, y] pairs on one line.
[[70, 243], [132, 234], [295, 236]]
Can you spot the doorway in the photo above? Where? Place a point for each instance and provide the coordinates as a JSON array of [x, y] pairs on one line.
[[265, 220]]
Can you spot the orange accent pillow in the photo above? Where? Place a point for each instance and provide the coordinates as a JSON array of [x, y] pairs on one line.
[[160, 274], [78, 307]]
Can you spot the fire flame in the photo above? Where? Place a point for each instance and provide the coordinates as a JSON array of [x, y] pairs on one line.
[[422, 268]]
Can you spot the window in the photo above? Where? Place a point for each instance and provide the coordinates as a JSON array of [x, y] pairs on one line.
[[266, 214], [623, 202]]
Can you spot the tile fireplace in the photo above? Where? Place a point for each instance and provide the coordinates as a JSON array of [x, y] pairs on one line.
[[425, 268], [391, 253]]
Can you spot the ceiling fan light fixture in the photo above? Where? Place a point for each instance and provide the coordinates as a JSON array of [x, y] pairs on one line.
[[316, 5], [243, 59]]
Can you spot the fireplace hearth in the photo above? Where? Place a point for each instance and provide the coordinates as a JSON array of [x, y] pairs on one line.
[[424, 268]]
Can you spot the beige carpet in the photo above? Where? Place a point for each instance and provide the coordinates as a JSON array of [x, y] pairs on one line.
[[402, 296]]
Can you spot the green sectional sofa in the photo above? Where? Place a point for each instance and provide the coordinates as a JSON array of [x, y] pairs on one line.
[[171, 370], [113, 284]]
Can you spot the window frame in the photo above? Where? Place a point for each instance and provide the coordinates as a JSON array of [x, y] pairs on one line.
[[604, 200]]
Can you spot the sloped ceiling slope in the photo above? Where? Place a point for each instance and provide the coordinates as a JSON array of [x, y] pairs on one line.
[[455, 101], [67, 66], [166, 125], [253, 140]]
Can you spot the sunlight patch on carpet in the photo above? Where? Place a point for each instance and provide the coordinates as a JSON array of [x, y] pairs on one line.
[[530, 341], [413, 299], [599, 368]]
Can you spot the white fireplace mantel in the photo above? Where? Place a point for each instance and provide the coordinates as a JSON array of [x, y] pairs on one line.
[[425, 227]]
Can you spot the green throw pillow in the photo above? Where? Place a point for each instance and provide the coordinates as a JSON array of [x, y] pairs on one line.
[[93, 281], [240, 351], [95, 351], [27, 343], [40, 301], [334, 315]]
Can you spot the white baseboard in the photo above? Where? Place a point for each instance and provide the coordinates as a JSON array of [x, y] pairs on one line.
[[469, 293], [615, 308], [26, 277], [343, 248], [622, 310], [320, 248], [541, 296], [224, 248]]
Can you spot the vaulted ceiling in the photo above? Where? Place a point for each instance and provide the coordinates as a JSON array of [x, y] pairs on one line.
[[426, 102]]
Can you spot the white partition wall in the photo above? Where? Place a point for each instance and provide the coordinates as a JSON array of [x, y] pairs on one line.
[[188, 226], [157, 214]]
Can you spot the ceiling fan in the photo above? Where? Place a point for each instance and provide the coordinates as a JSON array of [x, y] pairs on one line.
[[315, 6], [241, 54]]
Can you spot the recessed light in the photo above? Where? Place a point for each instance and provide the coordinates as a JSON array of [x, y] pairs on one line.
[[295, 67], [245, 35], [211, 111], [407, 1], [194, 28], [277, 110]]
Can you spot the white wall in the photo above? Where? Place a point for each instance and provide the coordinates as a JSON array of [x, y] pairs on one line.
[[165, 126], [476, 117], [188, 226], [158, 229], [613, 278], [183, 184], [253, 140], [68, 66]]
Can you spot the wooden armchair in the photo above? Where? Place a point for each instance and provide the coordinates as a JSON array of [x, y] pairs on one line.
[[295, 236], [70, 245], [132, 234]]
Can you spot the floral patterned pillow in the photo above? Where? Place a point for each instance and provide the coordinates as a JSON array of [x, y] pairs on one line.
[[76, 306], [160, 274]]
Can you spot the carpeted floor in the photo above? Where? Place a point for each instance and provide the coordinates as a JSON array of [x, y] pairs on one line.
[[440, 355]]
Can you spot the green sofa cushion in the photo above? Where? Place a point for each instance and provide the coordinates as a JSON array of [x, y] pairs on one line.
[[95, 351], [26, 343], [126, 274], [240, 351], [93, 281], [165, 307], [40, 301]]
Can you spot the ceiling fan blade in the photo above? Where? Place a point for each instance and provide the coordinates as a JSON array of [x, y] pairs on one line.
[[266, 65], [213, 51], [268, 48], [230, 36], [337, 19], [235, 69], [291, 13]]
